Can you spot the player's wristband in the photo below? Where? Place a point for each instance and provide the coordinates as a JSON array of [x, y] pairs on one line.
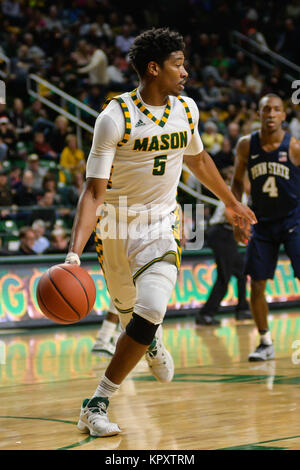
[[72, 258]]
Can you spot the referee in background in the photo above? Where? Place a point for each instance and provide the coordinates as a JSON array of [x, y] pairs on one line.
[[230, 262]]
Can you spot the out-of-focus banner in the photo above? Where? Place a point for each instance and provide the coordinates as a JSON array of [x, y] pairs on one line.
[[18, 282]]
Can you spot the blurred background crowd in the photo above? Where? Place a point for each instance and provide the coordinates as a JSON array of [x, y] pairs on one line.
[[81, 47]]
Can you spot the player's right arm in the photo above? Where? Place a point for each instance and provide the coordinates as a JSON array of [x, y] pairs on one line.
[[86, 217], [237, 187], [108, 131]]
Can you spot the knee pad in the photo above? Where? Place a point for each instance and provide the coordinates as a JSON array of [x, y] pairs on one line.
[[141, 330], [154, 289]]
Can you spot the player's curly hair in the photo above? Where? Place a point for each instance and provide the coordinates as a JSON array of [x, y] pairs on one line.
[[154, 44]]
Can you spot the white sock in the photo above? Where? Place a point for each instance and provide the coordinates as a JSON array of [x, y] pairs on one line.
[[106, 388], [107, 330], [266, 338]]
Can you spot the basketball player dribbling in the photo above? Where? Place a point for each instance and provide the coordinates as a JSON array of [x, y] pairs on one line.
[[272, 158], [142, 136]]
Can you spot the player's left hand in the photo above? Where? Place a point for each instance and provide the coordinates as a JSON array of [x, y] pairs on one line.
[[240, 215]]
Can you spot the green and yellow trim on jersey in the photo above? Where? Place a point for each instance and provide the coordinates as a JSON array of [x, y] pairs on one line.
[[147, 113], [127, 121], [126, 118], [188, 113], [99, 248], [109, 183], [128, 310]]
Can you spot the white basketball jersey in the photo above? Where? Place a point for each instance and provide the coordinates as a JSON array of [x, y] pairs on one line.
[[148, 161]]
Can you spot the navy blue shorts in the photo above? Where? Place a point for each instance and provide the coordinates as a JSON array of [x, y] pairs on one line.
[[263, 248]]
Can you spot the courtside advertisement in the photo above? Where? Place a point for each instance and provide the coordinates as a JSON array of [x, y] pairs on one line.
[[18, 283]]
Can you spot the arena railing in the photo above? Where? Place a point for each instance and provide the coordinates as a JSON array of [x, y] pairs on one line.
[[263, 55], [41, 91]]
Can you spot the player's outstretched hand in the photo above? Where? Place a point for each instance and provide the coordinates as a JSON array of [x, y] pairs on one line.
[[241, 217], [72, 258]]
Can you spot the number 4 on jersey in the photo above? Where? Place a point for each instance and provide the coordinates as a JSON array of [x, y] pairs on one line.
[[270, 187], [159, 166]]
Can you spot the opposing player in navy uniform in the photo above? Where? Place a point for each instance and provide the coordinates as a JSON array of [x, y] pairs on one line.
[[272, 158]]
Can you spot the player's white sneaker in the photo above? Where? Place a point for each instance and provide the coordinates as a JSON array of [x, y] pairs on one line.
[[107, 348], [263, 352], [94, 419], [159, 359]]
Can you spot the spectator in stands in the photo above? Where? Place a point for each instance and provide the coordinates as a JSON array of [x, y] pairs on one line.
[[295, 125], [254, 81], [287, 41], [96, 97], [3, 110], [3, 150], [239, 67], [57, 137], [27, 240], [210, 95], [20, 66], [33, 164], [12, 10], [97, 66], [72, 158], [7, 135], [52, 20], [75, 190], [233, 133], [11, 45], [212, 139], [103, 28], [237, 94], [37, 117], [21, 152], [225, 157], [6, 197], [59, 242], [33, 49], [124, 40], [46, 210], [50, 184], [19, 121], [276, 83], [43, 148], [293, 9], [41, 242], [81, 55], [26, 195], [115, 75], [15, 178]]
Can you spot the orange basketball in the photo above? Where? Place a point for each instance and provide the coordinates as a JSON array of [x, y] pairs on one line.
[[66, 293]]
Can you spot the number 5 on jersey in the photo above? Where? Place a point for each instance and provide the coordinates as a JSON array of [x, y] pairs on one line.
[[159, 166], [270, 187]]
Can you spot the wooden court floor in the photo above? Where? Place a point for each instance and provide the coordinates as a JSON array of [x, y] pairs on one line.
[[217, 400]]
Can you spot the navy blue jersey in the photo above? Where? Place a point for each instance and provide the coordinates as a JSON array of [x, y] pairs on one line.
[[275, 180]]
